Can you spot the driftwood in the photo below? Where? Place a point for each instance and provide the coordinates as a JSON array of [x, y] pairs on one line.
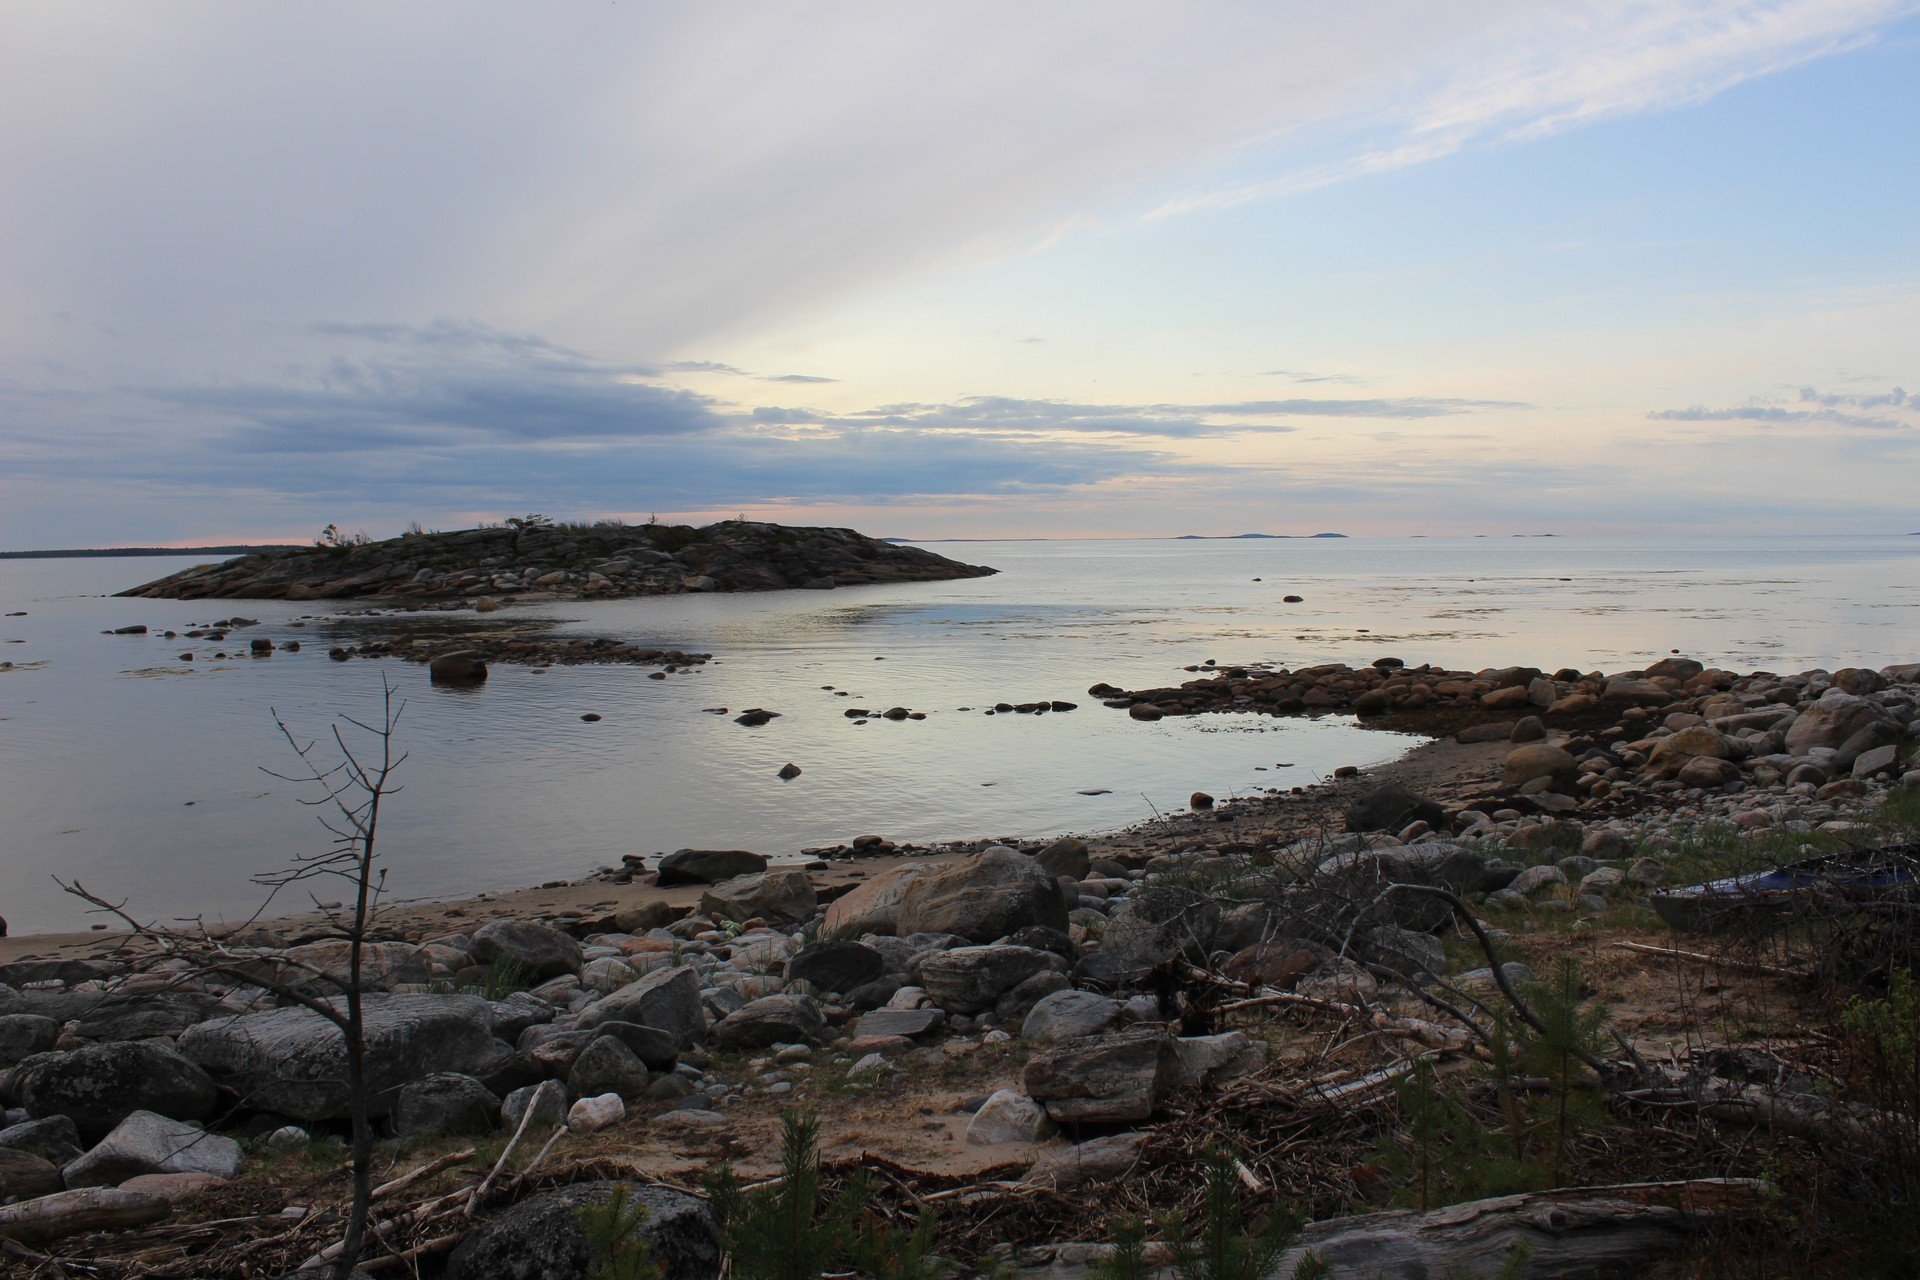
[[69, 1213], [1571, 1233]]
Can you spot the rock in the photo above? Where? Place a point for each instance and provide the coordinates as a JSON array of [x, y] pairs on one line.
[[24, 1034], [1404, 949], [463, 667], [644, 916], [1157, 925], [608, 973], [667, 999], [149, 1143], [608, 1066], [1500, 731], [836, 966], [444, 1105], [288, 1137], [542, 1237], [783, 897], [983, 897], [590, 1115], [1876, 761], [1707, 772], [1065, 857], [1200, 800], [1389, 808], [1646, 872], [788, 772], [909, 1023], [1066, 1016], [1279, 964], [24, 1175], [1832, 720], [709, 866], [1671, 753], [1109, 1079], [1212, 1060], [872, 907], [545, 1102], [1101, 1161], [967, 980], [660, 1050], [293, 1061], [54, 1139], [1534, 879], [1537, 760], [1635, 692], [381, 965], [99, 1085], [1005, 1117], [1144, 711], [771, 1020], [1527, 729], [177, 1188], [1603, 842], [537, 951]]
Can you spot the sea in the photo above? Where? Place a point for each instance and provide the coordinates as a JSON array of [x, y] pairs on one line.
[[151, 780]]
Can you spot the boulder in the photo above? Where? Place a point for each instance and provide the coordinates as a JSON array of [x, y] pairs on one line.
[[546, 1102], [1634, 691], [771, 1020], [1832, 720], [660, 1050], [1706, 772], [1671, 753], [293, 1060], [1007, 1116], [1213, 1060], [983, 897], [382, 964], [666, 999], [444, 1105], [873, 907], [608, 1066], [1279, 964], [149, 1143], [780, 897], [1537, 760], [1067, 1016], [542, 1238], [900, 1022], [969, 979], [100, 1085], [1110, 1079], [52, 1138], [464, 666], [1102, 1161], [24, 1034], [24, 1175], [836, 966], [1157, 925], [1389, 808], [709, 866], [590, 1115], [536, 951], [1066, 856]]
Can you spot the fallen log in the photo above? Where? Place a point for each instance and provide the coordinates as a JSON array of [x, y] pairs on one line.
[[71, 1213], [1573, 1233]]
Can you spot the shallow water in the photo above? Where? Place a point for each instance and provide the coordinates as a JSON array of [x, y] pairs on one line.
[[141, 774]]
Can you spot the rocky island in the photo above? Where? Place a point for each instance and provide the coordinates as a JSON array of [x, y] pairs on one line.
[[532, 558]]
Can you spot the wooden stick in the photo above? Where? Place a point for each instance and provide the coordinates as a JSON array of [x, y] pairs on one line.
[[424, 1171], [473, 1201], [1722, 962]]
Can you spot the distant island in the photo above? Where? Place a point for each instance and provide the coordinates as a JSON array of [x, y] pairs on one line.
[[76, 553], [534, 558], [1239, 537]]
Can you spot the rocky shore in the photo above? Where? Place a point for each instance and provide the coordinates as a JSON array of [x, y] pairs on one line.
[[543, 561], [1034, 1021]]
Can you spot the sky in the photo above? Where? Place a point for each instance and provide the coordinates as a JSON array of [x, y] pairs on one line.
[[963, 270]]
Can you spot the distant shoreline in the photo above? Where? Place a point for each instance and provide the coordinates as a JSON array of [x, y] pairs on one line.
[[86, 553]]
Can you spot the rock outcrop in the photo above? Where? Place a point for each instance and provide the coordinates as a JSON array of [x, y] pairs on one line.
[[601, 561]]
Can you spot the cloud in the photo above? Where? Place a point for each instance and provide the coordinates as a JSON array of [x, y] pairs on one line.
[[796, 377], [1299, 375], [1893, 410]]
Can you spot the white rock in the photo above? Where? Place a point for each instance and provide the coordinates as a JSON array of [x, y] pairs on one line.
[[148, 1143], [590, 1114], [1008, 1117]]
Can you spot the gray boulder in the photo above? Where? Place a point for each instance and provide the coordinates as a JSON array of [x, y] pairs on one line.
[[770, 1020], [1067, 1016], [969, 979], [708, 866], [608, 1066], [293, 1061], [149, 1143], [1389, 808], [1832, 720], [100, 1085], [24, 1175], [444, 1105], [24, 1034], [780, 897], [982, 898], [1109, 1079], [53, 1138], [538, 951], [667, 999], [1065, 857], [1100, 1161], [836, 966], [541, 1238], [546, 1102], [1157, 925]]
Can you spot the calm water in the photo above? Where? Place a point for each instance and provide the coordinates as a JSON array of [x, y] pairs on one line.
[[140, 774]]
